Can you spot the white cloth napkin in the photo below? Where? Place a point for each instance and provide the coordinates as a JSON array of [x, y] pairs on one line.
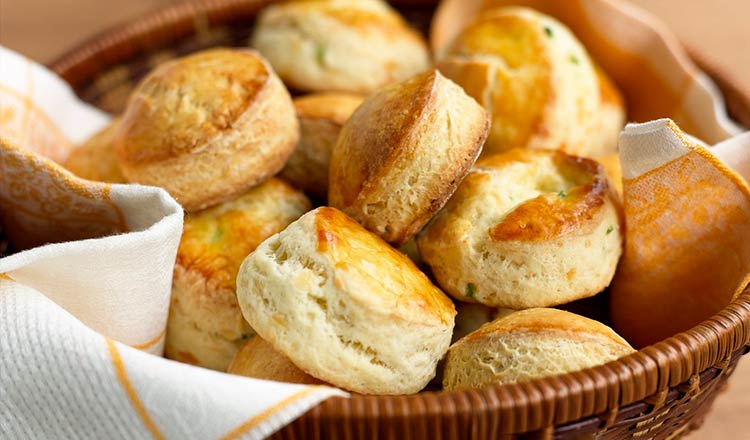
[[650, 145], [61, 379], [74, 313]]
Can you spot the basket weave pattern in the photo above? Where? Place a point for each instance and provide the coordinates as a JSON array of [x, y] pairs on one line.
[[660, 392]]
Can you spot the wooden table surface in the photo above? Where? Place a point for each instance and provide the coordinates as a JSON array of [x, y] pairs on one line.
[[717, 29]]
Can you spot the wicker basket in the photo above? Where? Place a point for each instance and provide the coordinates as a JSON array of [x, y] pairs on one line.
[[662, 391]]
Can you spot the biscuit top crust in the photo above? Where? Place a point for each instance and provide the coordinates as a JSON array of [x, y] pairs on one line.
[[332, 107], [215, 241], [517, 35], [381, 128], [376, 274], [552, 322], [535, 195], [362, 16], [560, 209], [185, 103], [504, 57]]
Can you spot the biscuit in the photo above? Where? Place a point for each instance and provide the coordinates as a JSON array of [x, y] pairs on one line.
[[530, 344], [353, 46], [526, 228], [321, 117], [207, 127], [205, 325], [258, 359], [95, 159], [403, 152], [609, 120], [538, 82], [345, 307]]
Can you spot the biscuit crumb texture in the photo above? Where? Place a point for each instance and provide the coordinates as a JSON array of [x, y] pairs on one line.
[[345, 307]]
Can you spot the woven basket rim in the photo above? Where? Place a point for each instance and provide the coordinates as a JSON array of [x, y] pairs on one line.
[[648, 372]]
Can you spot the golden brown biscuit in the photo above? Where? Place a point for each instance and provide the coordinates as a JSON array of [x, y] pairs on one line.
[[527, 228], [536, 79], [530, 344], [403, 152], [345, 307], [207, 127], [95, 159], [205, 326], [258, 359], [321, 117], [339, 45], [609, 119]]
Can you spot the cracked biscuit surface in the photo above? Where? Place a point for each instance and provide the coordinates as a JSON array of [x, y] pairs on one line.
[[345, 307]]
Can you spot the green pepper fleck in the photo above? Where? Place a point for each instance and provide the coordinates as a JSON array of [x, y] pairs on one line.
[[320, 54], [471, 290], [562, 194], [548, 31], [218, 234], [574, 59], [610, 229]]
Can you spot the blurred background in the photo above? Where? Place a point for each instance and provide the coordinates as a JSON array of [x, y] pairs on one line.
[[715, 30], [42, 29]]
